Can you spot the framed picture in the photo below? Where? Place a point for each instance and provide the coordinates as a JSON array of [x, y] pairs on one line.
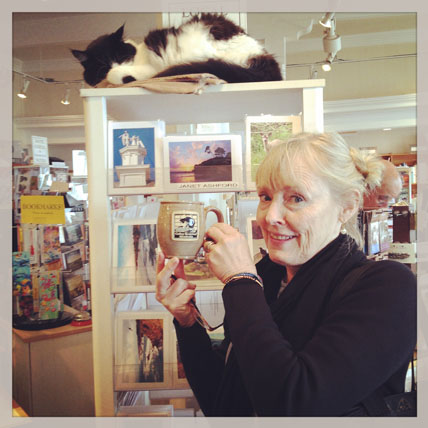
[[179, 380], [256, 242], [134, 255], [143, 356], [203, 163], [135, 157], [262, 133]]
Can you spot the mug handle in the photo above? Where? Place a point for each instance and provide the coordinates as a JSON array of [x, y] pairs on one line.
[[216, 211]]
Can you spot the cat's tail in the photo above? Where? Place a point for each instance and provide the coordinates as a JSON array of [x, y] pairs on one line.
[[261, 68]]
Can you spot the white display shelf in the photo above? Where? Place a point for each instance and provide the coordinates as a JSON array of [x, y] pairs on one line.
[[125, 281], [220, 103], [238, 99]]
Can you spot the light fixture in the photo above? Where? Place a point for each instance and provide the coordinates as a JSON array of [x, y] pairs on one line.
[[23, 92], [314, 72], [326, 20], [66, 99], [332, 42], [326, 66]]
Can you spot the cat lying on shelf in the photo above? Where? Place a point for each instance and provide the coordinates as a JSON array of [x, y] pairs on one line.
[[209, 43]]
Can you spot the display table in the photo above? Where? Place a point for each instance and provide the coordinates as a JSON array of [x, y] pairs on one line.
[[53, 371]]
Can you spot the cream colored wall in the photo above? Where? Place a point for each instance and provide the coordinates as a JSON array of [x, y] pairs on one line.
[[363, 79], [396, 141], [64, 152]]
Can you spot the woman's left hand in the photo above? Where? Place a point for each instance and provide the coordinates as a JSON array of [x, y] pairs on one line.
[[228, 254]]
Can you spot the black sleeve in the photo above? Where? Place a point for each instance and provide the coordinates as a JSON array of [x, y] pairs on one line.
[[363, 340], [202, 362]]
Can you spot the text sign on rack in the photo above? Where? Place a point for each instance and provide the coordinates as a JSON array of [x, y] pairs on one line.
[[40, 150], [42, 209]]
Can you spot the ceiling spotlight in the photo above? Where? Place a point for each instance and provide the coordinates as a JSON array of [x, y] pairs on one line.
[[327, 19], [23, 92], [326, 66], [66, 99], [332, 44]]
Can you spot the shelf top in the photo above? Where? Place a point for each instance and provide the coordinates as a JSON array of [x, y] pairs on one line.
[[218, 103], [227, 87], [51, 333]]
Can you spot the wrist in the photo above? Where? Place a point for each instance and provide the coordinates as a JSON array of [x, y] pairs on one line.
[[185, 323], [244, 275]]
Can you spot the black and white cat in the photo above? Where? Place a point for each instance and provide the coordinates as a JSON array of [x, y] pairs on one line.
[[209, 43]]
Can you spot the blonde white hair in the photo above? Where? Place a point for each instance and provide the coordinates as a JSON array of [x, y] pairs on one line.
[[346, 170]]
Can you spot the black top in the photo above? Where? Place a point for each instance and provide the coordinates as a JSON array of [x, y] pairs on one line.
[[317, 350]]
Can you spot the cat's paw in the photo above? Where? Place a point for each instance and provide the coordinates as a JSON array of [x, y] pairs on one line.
[[128, 73]]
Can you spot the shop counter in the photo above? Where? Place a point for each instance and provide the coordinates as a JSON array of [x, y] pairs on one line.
[[53, 371]]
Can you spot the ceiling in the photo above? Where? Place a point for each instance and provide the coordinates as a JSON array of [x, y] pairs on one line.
[[377, 60]]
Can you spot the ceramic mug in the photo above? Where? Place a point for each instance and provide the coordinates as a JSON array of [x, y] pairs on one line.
[[181, 227]]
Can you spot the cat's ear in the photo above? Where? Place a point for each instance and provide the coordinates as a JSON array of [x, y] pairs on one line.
[[118, 34], [80, 55]]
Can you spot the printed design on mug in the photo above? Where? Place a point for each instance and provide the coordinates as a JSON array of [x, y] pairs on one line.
[[185, 226]]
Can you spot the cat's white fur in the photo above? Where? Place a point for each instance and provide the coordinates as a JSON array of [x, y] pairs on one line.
[[194, 39]]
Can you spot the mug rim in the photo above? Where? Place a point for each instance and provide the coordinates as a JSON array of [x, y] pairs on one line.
[[182, 202]]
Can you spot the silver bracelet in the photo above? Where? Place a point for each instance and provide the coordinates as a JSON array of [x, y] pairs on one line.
[[244, 275]]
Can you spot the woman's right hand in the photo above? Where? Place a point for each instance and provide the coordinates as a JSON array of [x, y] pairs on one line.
[[175, 295]]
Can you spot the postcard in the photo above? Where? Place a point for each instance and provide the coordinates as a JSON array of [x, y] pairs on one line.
[[262, 133], [73, 233], [30, 242], [49, 304], [198, 273], [72, 260], [21, 273], [135, 157], [134, 255], [256, 241], [143, 350], [179, 380], [203, 163], [77, 290]]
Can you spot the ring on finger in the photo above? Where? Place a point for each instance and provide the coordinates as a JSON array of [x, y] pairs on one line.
[[208, 246]]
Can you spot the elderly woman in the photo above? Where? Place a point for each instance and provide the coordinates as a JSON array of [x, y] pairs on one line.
[[313, 329]]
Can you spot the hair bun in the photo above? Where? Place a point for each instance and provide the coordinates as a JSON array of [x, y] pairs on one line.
[[369, 166]]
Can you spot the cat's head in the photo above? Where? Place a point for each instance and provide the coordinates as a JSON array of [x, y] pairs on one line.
[[102, 53]]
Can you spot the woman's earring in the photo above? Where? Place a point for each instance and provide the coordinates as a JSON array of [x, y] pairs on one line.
[[343, 229]]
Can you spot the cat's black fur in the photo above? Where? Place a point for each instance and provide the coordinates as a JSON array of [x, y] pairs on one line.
[[209, 43]]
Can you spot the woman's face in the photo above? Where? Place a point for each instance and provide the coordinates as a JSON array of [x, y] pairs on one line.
[[299, 219]]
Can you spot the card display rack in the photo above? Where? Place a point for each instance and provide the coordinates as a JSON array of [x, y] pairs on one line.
[[226, 103]]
